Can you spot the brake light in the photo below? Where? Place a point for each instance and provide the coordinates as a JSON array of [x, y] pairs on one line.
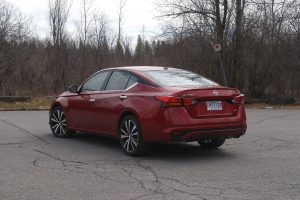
[[188, 102], [174, 101], [238, 99]]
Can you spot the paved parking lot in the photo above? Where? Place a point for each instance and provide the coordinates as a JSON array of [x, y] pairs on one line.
[[264, 164]]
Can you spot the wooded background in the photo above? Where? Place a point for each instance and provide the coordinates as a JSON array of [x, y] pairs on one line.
[[260, 45]]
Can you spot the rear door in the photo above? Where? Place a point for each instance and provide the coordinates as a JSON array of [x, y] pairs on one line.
[[111, 102]]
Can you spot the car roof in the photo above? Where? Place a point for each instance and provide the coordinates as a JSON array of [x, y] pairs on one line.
[[144, 68], [140, 69]]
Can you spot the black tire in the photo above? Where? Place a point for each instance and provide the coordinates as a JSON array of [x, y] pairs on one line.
[[131, 138], [211, 143], [58, 124]]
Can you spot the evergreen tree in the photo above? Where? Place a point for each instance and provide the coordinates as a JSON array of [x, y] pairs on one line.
[[140, 47], [119, 51]]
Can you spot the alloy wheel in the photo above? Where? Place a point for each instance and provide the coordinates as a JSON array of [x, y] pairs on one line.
[[58, 123], [129, 136]]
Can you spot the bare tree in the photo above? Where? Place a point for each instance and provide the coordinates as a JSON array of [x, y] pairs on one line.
[[260, 40], [57, 54], [59, 11], [14, 31], [238, 44], [207, 19], [121, 7], [100, 41], [86, 19]]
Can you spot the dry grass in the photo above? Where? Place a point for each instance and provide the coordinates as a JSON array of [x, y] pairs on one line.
[[35, 104]]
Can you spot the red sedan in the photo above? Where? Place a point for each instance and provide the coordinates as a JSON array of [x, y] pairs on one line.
[[139, 105]]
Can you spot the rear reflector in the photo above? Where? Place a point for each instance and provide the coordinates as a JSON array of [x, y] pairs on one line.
[[174, 101]]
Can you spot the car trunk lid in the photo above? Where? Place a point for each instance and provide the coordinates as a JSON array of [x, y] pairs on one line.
[[211, 102]]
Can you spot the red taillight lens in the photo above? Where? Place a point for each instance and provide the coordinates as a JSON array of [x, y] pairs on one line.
[[174, 101], [238, 99], [188, 102], [170, 101]]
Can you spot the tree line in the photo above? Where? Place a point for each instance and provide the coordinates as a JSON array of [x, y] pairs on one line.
[[260, 42]]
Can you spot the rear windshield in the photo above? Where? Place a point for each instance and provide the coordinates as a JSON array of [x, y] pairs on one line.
[[179, 78]]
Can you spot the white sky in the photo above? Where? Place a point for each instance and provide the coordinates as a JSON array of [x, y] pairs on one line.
[[136, 14]]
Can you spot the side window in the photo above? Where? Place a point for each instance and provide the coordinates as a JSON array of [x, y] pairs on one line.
[[96, 82], [133, 80], [118, 80]]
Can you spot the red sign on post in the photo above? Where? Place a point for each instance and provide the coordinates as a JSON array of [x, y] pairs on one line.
[[217, 47]]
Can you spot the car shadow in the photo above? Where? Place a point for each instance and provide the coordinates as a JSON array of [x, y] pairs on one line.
[[166, 151], [186, 151]]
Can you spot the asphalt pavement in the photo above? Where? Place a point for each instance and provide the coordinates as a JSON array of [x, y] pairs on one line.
[[263, 164]]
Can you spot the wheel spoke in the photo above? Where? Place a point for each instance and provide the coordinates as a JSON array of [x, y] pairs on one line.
[[132, 146], [56, 129], [124, 132], [128, 141], [60, 116], [133, 128], [134, 141], [128, 122], [126, 144], [60, 130], [134, 134], [124, 136], [55, 115], [53, 119], [54, 126], [63, 130]]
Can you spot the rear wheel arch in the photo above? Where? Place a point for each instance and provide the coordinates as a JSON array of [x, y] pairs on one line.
[[124, 114]]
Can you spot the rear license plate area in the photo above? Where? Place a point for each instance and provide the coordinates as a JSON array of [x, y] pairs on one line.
[[214, 105]]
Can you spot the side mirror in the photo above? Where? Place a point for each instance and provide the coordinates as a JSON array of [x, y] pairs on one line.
[[73, 89]]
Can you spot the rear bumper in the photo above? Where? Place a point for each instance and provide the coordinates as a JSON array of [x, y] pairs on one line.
[[199, 134], [175, 124]]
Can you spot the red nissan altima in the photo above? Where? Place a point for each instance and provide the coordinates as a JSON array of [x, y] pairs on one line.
[[139, 105]]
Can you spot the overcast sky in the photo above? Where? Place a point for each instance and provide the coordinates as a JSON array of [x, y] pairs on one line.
[[137, 13]]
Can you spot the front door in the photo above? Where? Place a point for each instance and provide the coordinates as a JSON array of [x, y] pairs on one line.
[[82, 106]]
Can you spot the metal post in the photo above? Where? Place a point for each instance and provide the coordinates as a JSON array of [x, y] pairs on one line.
[[222, 68], [218, 50]]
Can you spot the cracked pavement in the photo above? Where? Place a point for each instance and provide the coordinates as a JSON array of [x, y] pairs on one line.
[[263, 164]]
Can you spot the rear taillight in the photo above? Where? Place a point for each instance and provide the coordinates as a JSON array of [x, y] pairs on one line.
[[238, 99], [188, 102], [174, 101]]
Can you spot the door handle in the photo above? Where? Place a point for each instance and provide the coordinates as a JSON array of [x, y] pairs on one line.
[[123, 97], [92, 100]]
